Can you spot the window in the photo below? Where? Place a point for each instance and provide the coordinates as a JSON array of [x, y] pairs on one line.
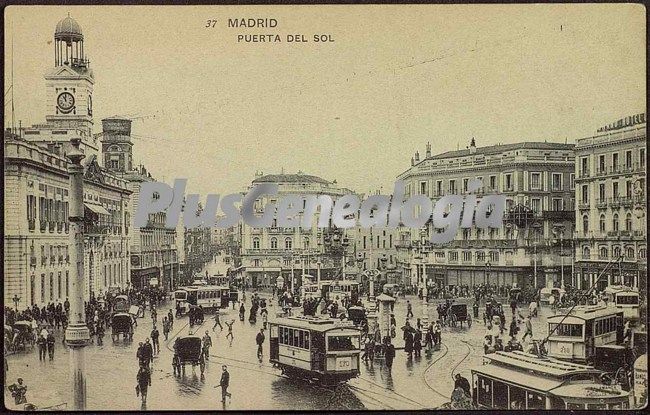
[[601, 163], [557, 181], [628, 222], [453, 256], [629, 253], [480, 256], [452, 186], [585, 223], [535, 181], [615, 222], [557, 204], [439, 188], [585, 193], [584, 166], [642, 158], [493, 182], [43, 288], [341, 343], [572, 179], [467, 256], [642, 253], [536, 205], [274, 243], [305, 242], [423, 188], [602, 223], [601, 191], [566, 330], [628, 188], [628, 159], [535, 400], [465, 183], [615, 190], [614, 162], [603, 253], [256, 243], [586, 253], [484, 391], [617, 252], [508, 181], [288, 243]]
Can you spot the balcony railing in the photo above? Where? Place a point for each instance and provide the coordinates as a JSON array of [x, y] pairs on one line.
[[44, 260], [601, 203], [32, 261], [583, 205], [558, 214], [31, 224], [601, 172], [43, 226], [59, 227], [583, 173]]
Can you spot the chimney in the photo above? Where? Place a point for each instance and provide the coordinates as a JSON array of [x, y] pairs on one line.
[[472, 146], [412, 162], [428, 150]]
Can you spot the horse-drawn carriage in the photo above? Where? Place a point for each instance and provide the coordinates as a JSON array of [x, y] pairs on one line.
[[359, 317], [195, 314], [122, 323], [188, 350], [23, 335], [458, 313]]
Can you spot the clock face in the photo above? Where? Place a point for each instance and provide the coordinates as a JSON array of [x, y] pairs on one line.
[[65, 102]]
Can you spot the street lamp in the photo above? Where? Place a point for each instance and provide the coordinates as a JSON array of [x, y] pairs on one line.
[[488, 265]]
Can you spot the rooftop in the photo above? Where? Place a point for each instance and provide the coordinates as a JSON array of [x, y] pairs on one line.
[[500, 148], [290, 178]]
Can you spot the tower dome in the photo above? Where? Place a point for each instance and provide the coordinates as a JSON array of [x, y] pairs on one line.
[[68, 28]]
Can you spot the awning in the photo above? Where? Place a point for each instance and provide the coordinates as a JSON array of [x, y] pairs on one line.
[[99, 209]]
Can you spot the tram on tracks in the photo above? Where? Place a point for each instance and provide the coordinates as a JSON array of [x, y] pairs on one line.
[[316, 349], [332, 289], [581, 331], [518, 380], [209, 297], [626, 299]]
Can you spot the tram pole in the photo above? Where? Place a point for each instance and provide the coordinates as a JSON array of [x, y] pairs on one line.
[[77, 334]]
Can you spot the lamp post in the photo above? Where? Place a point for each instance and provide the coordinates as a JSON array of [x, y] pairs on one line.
[[488, 265], [77, 335]]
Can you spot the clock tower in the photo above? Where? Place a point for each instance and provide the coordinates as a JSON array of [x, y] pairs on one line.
[[70, 85]]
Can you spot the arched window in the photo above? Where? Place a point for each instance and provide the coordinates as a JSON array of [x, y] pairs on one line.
[[628, 222], [616, 252], [602, 223], [256, 243], [305, 242], [603, 254], [629, 253], [615, 223], [585, 223], [586, 253], [642, 253], [274, 243], [288, 243]]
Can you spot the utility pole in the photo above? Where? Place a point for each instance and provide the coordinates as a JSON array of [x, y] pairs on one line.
[[77, 334]]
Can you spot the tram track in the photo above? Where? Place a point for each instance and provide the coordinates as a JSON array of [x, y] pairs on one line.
[[424, 374]]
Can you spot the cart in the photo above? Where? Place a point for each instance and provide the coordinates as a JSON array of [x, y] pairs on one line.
[[122, 323], [458, 313], [188, 350]]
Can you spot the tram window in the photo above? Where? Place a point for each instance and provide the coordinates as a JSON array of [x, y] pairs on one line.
[[296, 338], [517, 398], [500, 395], [306, 340], [484, 391], [575, 405], [340, 343], [290, 337], [627, 300], [301, 339], [596, 406], [567, 330], [535, 400]]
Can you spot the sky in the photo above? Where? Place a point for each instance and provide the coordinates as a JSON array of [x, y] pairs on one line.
[[396, 77]]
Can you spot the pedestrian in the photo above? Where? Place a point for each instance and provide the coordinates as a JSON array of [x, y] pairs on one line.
[[409, 309], [368, 350], [217, 322], [463, 383], [147, 354], [154, 339], [417, 343], [50, 345], [225, 381], [170, 318], [19, 392], [259, 339], [529, 328], [408, 340], [165, 324], [42, 347], [207, 343], [428, 338], [230, 330], [143, 378], [100, 335], [154, 315], [389, 353], [242, 311]]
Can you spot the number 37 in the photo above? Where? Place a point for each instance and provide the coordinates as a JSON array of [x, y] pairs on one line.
[[211, 23]]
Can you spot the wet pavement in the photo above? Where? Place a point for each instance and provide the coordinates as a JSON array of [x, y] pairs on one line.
[[417, 383]]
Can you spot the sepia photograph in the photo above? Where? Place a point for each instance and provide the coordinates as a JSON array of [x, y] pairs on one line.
[[325, 207]]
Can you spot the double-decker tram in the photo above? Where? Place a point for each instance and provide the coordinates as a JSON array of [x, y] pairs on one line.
[[319, 349], [518, 380], [581, 331], [180, 300], [625, 299]]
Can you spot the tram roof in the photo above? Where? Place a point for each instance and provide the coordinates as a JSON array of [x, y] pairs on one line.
[[586, 313], [313, 323], [545, 366]]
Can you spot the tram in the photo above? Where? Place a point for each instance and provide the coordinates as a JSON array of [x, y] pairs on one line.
[[518, 380], [332, 289], [625, 299], [580, 332], [209, 297], [180, 299], [320, 349]]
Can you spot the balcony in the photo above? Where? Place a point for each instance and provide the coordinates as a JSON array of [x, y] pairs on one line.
[[601, 203], [32, 261], [60, 259], [43, 226], [59, 227], [51, 225], [559, 215], [44, 261], [31, 223], [615, 202], [601, 172], [583, 174], [583, 206], [66, 227], [626, 201]]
